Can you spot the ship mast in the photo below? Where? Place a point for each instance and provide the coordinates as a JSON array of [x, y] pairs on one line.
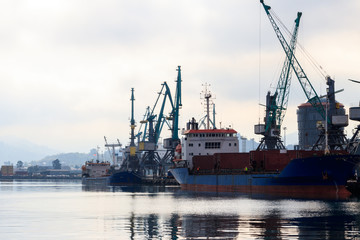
[[207, 96]]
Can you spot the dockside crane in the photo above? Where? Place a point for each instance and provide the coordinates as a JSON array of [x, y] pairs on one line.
[[331, 136], [276, 104], [353, 146], [171, 143], [112, 146], [131, 161], [152, 131], [154, 124]]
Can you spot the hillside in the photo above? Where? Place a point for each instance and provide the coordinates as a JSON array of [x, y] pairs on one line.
[[71, 159]]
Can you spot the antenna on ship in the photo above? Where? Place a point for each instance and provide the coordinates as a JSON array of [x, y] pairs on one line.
[[207, 96]]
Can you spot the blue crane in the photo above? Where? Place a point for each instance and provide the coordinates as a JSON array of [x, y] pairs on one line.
[[276, 104]]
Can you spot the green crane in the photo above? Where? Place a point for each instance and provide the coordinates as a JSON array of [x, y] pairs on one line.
[[306, 85], [332, 135], [154, 124], [276, 104]]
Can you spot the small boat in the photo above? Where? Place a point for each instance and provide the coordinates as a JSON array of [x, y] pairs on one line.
[[95, 172]]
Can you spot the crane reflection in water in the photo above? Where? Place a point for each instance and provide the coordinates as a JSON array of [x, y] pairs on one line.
[[169, 213]]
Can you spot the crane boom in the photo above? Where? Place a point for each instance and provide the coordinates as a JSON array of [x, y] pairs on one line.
[[176, 108], [332, 135], [306, 85], [276, 104], [279, 103]]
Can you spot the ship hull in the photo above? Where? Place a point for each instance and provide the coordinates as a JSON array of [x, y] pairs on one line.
[[95, 180], [124, 178], [313, 176]]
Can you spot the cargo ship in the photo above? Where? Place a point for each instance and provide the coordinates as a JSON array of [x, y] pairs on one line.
[[209, 160]]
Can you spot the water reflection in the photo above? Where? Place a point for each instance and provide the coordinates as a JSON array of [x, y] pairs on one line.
[[213, 226], [243, 218], [194, 226], [157, 212]]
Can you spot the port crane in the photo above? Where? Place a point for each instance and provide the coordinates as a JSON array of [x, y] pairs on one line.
[[112, 146], [353, 146], [153, 127], [276, 104], [332, 135], [131, 161]]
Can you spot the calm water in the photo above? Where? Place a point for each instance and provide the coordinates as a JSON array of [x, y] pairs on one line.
[[68, 210]]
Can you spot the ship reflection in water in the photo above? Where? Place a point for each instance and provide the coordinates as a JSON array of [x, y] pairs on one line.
[[272, 225], [171, 213], [68, 210]]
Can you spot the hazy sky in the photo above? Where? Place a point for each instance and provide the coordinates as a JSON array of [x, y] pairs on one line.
[[67, 66]]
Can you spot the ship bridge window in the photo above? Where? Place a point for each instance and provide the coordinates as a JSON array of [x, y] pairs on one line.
[[212, 145]]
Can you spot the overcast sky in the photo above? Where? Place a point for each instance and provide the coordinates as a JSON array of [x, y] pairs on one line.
[[67, 66]]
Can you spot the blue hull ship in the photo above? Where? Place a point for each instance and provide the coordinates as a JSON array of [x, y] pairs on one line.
[[322, 176], [124, 178]]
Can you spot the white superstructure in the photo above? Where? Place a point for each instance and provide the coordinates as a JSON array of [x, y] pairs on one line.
[[207, 142]]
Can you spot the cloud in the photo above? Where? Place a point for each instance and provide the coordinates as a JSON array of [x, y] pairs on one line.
[[67, 67]]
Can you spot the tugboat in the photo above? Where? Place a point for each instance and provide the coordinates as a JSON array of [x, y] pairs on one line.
[[95, 172]]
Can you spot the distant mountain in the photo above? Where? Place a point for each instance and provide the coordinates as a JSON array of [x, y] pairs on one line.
[[66, 159], [72, 159], [15, 150]]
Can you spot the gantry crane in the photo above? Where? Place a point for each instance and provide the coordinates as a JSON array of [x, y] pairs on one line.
[[331, 136], [276, 104]]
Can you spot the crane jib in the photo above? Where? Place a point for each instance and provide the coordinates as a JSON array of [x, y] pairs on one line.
[[300, 74]]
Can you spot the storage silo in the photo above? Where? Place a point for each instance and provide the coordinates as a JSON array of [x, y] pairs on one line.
[[309, 120]]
